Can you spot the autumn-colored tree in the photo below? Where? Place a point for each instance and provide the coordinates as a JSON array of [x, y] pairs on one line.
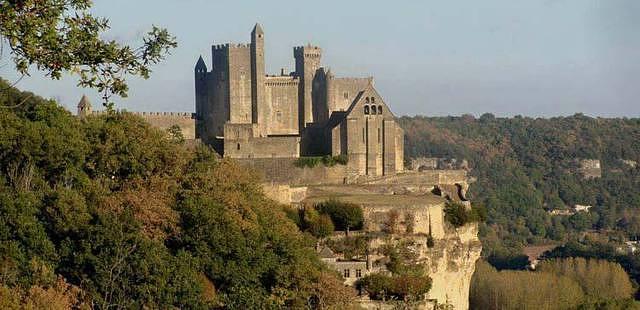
[[597, 277]]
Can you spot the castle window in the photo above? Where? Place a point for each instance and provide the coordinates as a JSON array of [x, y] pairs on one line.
[[373, 109], [379, 109], [373, 100], [358, 273], [346, 273], [238, 146], [346, 95], [366, 100], [366, 109]]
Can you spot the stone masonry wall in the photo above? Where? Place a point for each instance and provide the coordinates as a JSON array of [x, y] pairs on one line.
[[283, 171]]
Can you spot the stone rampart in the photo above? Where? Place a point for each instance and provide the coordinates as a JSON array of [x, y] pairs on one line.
[[284, 171], [165, 120]]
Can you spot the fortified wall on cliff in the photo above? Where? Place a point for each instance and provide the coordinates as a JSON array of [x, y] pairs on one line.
[[245, 113]]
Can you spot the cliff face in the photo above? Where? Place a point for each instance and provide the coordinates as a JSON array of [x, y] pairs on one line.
[[417, 202], [451, 263]]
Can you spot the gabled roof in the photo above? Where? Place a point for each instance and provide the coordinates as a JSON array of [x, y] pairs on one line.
[[201, 64], [368, 89], [326, 253], [257, 29], [84, 102]]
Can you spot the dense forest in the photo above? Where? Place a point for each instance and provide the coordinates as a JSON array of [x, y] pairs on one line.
[[525, 167], [107, 212]]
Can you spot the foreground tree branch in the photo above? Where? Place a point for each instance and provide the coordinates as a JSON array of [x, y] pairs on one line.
[[59, 36]]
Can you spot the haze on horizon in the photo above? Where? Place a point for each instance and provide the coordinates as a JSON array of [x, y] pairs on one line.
[[534, 58]]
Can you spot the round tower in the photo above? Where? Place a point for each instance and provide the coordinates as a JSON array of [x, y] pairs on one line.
[[258, 112], [84, 107], [200, 74]]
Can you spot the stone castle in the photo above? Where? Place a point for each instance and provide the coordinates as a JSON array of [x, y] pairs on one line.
[[245, 113], [268, 122]]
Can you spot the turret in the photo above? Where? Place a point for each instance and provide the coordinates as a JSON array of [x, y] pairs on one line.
[[84, 107], [200, 77], [307, 63], [329, 88], [258, 112]]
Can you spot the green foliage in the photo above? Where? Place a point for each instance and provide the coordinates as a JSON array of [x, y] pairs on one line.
[[491, 289], [599, 249], [598, 278], [403, 259], [459, 215], [327, 161], [525, 167], [430, 242], [131, 218], [405, 287], [59, 36], [175, 132], [345, 216], [559, 284], [309, 220], [352, 248]]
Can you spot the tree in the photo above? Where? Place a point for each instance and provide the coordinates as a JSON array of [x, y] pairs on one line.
[[598, 278], [329, 292], [62, 36], [345, 216]]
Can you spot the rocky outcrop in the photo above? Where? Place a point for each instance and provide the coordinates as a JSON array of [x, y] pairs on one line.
[[451, 264], [416, 202]]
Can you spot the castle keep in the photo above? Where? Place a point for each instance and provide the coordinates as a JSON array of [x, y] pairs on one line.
[[244, 113]]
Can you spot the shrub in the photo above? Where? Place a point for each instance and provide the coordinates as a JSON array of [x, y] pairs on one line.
[[430, 242], [458, 215], [352, 248], [345, 216], [405, 287], [327, 161]]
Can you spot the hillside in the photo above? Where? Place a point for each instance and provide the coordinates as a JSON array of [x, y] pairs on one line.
[[526, 168], [108, 212]]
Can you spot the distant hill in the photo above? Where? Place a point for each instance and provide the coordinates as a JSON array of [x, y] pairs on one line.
[[529, 169]]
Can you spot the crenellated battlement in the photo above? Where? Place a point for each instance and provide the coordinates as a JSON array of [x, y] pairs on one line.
[[307, 51], [283, 83], [187, 115], [228, 46]]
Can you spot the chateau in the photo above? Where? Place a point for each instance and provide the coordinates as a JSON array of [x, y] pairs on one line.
[[245, 113], [267, 122]]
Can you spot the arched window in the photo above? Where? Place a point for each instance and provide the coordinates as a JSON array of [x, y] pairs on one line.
[[373, 109], [373, 100], [379, 109], [366, 109], [366, 100]]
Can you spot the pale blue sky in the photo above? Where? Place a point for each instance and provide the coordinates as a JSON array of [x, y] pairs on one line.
[[535, 58]]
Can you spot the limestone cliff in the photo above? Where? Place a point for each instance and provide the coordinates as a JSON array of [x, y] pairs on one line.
[[418, 201], [452, 262]]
